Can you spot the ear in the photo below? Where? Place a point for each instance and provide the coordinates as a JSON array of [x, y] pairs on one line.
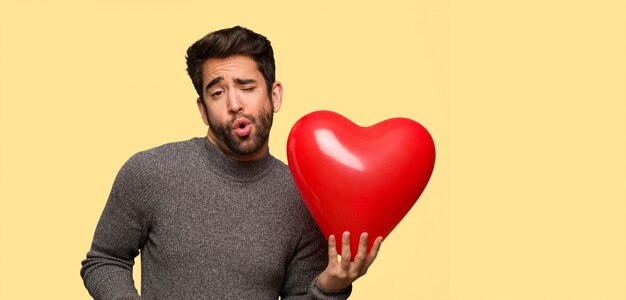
[[203, 111], [277, 95]]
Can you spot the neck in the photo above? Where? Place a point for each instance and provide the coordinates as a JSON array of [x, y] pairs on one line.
[[235, 170]]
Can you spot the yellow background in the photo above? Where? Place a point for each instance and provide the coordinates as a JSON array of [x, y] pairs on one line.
[[526, 101]]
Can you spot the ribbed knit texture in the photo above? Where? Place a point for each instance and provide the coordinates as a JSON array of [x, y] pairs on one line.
[[208, 227]]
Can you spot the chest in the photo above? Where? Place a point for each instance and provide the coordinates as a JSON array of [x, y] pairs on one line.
[[243, 233]]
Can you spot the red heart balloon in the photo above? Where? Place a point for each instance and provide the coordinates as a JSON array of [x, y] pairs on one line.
[[359, 179]]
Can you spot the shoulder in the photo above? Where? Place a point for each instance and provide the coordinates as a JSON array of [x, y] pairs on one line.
[[280, 168], [145, 165], [173, 150], [282, 175], [163, 154]]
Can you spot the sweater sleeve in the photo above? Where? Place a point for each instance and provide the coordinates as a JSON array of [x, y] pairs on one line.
[[120, 233], [310, 259]]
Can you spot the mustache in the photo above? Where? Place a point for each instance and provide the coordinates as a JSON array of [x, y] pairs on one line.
[[234, 118]]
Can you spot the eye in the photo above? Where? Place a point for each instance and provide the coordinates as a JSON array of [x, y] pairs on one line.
[[249, 88], [217, 93]]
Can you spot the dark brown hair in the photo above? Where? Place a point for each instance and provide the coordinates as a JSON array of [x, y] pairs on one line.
[[227, 42]]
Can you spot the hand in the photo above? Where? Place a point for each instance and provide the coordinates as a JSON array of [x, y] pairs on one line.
[[339, 275]]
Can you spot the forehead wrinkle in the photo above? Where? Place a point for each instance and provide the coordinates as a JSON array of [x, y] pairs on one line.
[[238, 69]]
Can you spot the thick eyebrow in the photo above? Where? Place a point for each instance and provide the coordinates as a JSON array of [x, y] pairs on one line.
[[244, 81], [213, 82], [217, 80]]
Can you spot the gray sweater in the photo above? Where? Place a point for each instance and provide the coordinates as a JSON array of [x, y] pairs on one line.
[[207, 227]]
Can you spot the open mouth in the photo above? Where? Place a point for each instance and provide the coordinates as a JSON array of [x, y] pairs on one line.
[[242, 127]]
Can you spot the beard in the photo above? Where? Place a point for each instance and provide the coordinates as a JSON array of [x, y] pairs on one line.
[[245, 145]]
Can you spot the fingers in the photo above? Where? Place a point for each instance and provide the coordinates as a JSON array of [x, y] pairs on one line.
[[332, 249], [361, 255], [362, 252], [374, 251], [346, 256], [362, 260]]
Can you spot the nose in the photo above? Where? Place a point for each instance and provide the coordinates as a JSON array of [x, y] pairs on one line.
[[234, 103]]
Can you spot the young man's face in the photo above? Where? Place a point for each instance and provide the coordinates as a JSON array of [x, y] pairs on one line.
[[239, 107]]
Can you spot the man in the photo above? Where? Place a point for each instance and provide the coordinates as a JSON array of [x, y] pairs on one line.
[[219, 217]]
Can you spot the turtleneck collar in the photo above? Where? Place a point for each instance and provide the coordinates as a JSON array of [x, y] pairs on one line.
[[231, 169]]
